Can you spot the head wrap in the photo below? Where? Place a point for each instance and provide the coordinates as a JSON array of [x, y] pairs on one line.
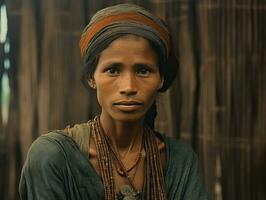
[[112, 22]]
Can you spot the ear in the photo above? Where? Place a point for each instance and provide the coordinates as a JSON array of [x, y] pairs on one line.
[[92, 83]]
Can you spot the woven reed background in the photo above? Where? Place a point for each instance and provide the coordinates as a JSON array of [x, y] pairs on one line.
[[217, 104]]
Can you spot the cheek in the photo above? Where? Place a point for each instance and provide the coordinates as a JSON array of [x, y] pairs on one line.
[[104, 92], [99, 87], [152, 96], [150, 92], [153, 86], [99, 97]]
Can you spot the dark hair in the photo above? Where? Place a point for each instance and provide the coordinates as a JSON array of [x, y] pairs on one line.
[[168, 69]]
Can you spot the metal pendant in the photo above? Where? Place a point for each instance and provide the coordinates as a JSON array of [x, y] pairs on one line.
[[130, 198], [126, 192]]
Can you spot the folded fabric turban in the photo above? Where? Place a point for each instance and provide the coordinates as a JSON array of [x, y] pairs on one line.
[[112, 22]]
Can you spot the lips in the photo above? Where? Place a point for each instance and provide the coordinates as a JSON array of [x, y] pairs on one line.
[[128, 103], [128, 106]]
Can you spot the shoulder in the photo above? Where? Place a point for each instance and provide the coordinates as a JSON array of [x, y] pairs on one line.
[[180, 157], [179, 147], [176, 147], [51, 142], [46, 169], [48, 150], [182, 175]]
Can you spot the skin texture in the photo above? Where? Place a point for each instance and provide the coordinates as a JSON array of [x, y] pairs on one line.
[[126, 79]]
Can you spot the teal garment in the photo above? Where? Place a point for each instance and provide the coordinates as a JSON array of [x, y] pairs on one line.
[[56, 169]]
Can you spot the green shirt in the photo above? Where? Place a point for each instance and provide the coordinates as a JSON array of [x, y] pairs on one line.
[[57, 169]]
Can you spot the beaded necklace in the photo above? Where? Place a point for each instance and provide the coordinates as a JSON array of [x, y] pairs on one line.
[[154, 185], [119, 162]]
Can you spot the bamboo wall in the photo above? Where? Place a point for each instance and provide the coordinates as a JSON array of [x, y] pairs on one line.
[[217, 104]]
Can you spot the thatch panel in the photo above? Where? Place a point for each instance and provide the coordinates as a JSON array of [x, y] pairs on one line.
[[27, 79], [61, 71], [234, 55], [182, 36]]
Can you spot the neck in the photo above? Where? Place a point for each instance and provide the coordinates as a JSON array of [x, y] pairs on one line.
[[121, 133]]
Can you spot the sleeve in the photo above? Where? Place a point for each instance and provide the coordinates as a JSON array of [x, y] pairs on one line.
[[43, 172], [195, 188]]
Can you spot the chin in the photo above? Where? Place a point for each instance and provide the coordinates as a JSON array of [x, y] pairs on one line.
[[128, 116]]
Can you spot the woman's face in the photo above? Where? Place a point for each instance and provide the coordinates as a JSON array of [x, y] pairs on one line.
[[127, 78]]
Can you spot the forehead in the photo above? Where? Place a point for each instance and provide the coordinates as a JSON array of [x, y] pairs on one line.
[[130, 45]]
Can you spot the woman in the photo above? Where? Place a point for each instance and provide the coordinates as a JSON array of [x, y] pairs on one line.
[[117, 155]]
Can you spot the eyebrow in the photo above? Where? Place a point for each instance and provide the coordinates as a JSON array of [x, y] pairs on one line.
[[113, 64], [120, 64], [148, 65]]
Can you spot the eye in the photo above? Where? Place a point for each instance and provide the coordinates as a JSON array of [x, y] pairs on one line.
[[143, 71], [113, 71]]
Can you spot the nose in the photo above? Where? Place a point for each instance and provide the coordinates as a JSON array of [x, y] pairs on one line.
[[128, 85]]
